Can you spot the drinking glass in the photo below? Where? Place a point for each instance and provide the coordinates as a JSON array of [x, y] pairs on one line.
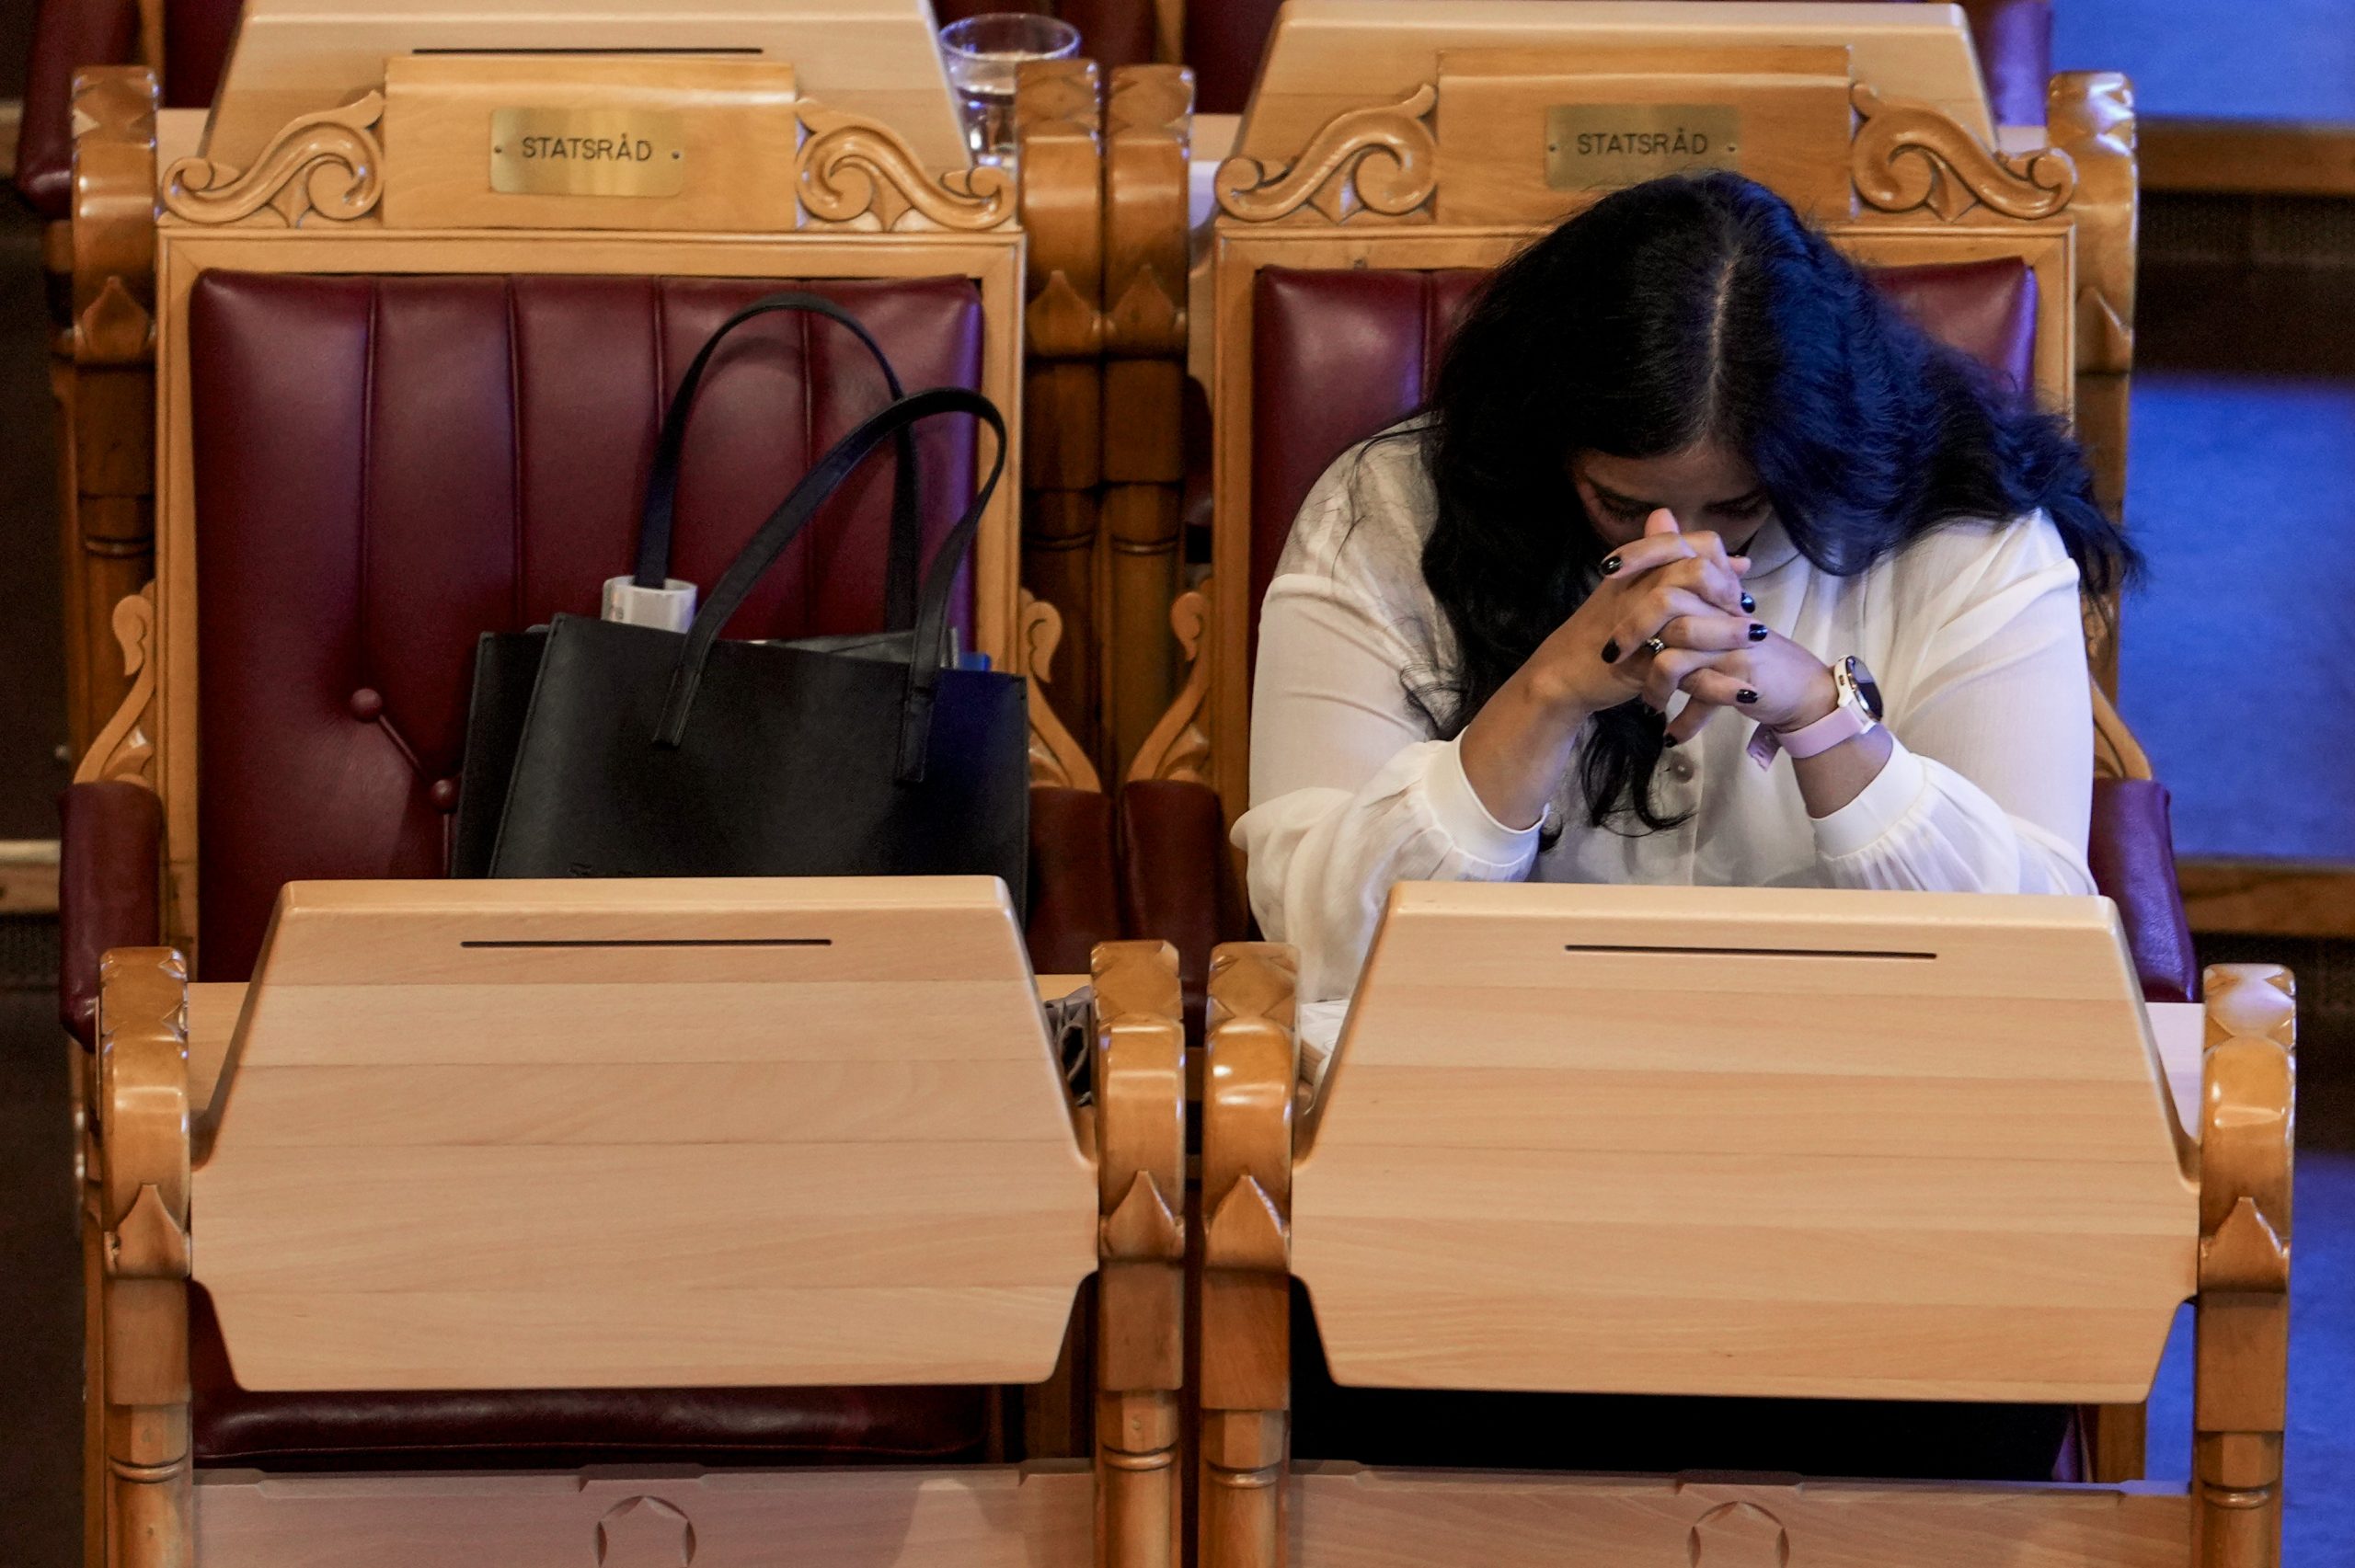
[[982, 53]]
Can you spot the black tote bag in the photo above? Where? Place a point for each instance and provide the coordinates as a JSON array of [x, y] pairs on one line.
[[507, 664], [653, 753]]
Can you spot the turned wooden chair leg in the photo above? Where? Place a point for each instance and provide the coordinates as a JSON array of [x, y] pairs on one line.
[[2241, 1361], [1246, 1361], [1141, 1167], [142, 1106]]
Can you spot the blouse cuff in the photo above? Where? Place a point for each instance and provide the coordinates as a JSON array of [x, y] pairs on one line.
[[1463, 818], [1878, 807]]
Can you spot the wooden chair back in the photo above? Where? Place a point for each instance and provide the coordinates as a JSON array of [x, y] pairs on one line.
[[1446, 168], [867, 199], [1780, 1142], [646, 1133]]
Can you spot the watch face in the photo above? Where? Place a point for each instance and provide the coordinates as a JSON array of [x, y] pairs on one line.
[[1867, 687]]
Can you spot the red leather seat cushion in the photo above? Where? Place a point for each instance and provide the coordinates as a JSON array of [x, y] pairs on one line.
[[539, 1428], [1338, 355], [385, 468]]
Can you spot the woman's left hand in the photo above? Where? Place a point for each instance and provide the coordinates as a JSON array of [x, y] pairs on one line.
[[1766, 677]]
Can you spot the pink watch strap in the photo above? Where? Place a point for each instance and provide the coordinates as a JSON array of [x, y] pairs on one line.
[[1842, 724]]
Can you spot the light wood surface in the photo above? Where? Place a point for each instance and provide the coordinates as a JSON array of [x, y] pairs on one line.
[[155, 739], [736, 118], [875, 58], [997, 1517], [2061, 966], [1325, 57], [1787, 104], [729, 1220], [1345, 1516], [1927, 1135], [572, 1248]]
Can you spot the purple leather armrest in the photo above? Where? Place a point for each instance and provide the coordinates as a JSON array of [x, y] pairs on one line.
[[68, 35], [2132, 854], [1072, 904], [110, 891], [1174, 883], [2014, 41]]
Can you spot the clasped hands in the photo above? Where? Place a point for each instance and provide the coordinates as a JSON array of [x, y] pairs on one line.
[[1671, 615]]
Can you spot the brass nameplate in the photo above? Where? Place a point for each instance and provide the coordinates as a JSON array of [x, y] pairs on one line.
[[588, 152], [1593, 145]]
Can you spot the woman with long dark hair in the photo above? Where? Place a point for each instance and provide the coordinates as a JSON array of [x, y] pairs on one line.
[[1702, 566]]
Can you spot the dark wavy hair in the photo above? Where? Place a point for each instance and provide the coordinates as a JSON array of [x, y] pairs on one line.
[[1689, 309]]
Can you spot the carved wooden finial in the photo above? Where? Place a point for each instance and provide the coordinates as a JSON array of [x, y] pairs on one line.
[[1247, 1231], [1254, 981], [1143, 1226], [2247, 1140]]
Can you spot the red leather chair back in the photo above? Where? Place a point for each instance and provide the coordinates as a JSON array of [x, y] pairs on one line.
[[1224, 38], [386, 468], [70, 34], [1338, 355], [197, 35]]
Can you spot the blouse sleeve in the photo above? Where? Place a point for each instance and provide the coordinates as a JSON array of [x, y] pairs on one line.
[[1990, 787], [1350, 791]]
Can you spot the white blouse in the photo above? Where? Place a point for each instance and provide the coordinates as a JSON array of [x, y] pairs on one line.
[[1973, 633]]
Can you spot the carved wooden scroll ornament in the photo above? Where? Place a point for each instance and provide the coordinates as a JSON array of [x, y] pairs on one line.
[[326, 165], [1907, 156], [1381, 160], [1179, 748], [124, 748], [859, 172]]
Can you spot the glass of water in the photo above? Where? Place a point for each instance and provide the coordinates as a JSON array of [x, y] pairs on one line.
[[984, 54]]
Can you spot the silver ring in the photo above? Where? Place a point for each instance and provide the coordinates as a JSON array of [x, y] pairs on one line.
[[1653, 644]]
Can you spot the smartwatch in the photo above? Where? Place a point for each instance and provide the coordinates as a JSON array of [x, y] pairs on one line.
[[1855, 710]]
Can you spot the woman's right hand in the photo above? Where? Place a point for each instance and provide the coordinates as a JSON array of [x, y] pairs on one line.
[[1515, 750], [1596, 658]]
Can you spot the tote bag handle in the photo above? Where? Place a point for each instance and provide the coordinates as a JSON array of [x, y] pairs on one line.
[[794, 513], [662, 484]]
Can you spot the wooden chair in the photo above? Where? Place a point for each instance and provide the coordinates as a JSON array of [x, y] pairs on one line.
[[1351, 230], [667, 1146], [388, 427], [1798, 1144], [89, 163]]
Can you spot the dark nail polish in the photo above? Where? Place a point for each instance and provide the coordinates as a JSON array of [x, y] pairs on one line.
[[1745, 695], [1611, 566], [1667, 742], [1611, 652], [1748, 604], [1758, 631]]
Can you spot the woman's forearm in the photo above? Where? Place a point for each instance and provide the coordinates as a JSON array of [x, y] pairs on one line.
[[1517, 748], [1830, 780]]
